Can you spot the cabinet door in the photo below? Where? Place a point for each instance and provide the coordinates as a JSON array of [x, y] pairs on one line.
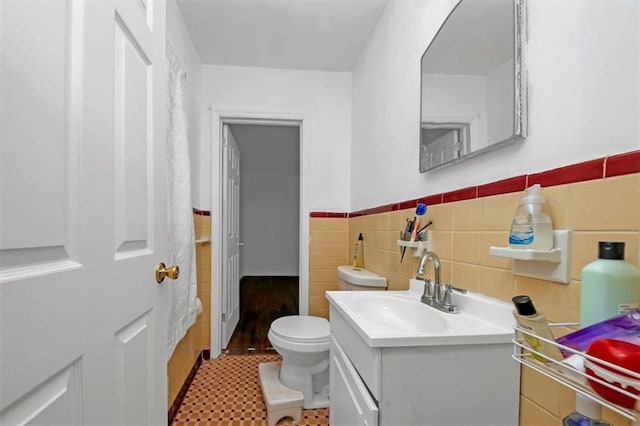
[[351, 403]]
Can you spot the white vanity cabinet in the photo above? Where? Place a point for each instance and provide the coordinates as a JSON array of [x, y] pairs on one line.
[[351, 403], [461, 384]]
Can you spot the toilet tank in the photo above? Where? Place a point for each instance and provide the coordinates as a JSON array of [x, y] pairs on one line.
[[352, 278]]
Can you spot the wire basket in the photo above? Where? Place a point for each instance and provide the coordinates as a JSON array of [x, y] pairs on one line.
[[570, 372]]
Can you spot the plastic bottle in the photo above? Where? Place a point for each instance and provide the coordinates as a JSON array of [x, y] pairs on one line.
[[531, 227], [610, 286], [534, 322], [587, 414], [358, 253]]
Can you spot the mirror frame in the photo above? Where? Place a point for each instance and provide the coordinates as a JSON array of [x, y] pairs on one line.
[[519, 82]]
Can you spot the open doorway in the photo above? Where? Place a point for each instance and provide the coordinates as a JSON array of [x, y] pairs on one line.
[[268, 237], [443, 142]]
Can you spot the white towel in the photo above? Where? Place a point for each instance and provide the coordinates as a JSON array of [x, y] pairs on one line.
[[181, 293]]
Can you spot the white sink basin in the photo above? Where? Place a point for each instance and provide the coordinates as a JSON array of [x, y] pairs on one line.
[[391, 312], [398, 318]]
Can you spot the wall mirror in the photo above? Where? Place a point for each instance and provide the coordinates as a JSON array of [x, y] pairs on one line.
[[473, 94]]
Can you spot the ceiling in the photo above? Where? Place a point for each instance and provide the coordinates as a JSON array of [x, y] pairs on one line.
[[324, 35]]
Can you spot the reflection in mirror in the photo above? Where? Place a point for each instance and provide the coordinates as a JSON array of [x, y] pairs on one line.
[[473, 96]]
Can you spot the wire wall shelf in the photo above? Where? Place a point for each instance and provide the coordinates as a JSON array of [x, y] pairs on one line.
[[570, 372]]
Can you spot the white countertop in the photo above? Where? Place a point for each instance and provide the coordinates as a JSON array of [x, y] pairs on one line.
[[398, 318]]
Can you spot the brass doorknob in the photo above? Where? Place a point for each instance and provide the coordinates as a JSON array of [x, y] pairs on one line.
[[173, 272]]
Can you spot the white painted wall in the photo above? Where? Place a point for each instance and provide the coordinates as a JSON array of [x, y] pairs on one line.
[[179, 39], [584, 97], [269, 199], [322, 98]]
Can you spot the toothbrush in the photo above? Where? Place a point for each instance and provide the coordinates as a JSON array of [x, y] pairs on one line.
[[425, 227], [407, 229], [421, 209]]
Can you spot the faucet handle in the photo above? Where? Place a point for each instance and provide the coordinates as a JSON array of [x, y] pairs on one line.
[[428, 294], [448, 301], [458, 289], [428, 289]]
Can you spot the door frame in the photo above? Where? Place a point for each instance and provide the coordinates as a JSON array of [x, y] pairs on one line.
[[216, 121]]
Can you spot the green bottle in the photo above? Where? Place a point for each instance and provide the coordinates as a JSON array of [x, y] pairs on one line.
[[610, 286]]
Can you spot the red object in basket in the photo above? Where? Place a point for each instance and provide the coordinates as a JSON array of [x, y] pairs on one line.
[[619, 352]]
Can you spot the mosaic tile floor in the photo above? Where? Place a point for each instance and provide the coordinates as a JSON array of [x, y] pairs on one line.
[[226, 392]]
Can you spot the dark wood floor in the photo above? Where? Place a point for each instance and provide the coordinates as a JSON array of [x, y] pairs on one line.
[[262, 300]]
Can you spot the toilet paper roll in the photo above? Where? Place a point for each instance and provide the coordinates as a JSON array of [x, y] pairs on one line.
[[198, 305], [576, 370]]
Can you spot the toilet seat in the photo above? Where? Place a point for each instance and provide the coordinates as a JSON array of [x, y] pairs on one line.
[[301, 333]]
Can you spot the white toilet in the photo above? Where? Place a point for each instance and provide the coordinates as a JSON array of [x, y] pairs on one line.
[[303, 342], [358, 279]]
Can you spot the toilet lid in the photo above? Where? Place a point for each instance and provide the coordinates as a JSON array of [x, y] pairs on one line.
[[300, 328]]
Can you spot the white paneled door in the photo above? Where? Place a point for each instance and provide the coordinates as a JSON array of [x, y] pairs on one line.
[[230, 231], [82, 212]]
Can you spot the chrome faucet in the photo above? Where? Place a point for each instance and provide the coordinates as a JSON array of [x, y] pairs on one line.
[[434, 295], [431, 292]]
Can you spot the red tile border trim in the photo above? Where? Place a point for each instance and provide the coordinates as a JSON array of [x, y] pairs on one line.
[[506, 186], [460, 194], [622, 164], [589, 170], [432, 199], [409, 204], [615, 165], [201, 212], [329, 215], [374, 210]]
